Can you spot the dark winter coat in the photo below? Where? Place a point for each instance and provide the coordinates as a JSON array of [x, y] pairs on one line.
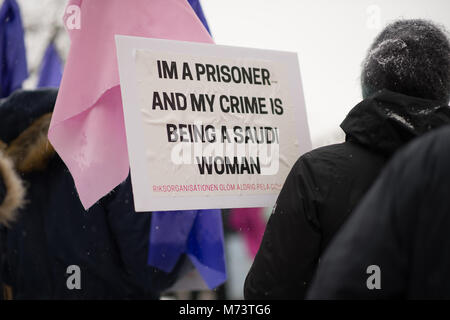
[[52, 231], [326, 184], [397, 241]]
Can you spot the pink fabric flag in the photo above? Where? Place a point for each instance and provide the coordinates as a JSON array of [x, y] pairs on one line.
[[87, 128], [251, 224]]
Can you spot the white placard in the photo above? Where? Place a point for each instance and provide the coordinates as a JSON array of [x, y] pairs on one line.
[[209, 126]]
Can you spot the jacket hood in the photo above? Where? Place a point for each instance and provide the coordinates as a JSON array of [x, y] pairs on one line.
[[12, 190], [24, 121], [24, 147], [387, 120], [22, 108]]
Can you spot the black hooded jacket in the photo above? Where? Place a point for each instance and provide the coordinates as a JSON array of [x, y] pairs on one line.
[[326, 184], [396, 244]]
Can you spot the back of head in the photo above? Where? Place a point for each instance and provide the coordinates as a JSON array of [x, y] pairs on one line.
[[410, 57]]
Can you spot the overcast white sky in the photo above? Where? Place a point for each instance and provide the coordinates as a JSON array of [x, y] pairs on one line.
[[330, 36]]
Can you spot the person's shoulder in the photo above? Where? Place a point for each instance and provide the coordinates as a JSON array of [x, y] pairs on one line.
[[427, 154], [334, 149], [333, 153], [320, 161], [345, 159], [435, 143]]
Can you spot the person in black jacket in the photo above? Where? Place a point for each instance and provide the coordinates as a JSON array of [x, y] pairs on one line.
[[51, 235], [396, 244], [406, 85]]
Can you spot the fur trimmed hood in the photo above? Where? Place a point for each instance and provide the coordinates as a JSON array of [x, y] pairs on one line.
[[14, 194], [30, 151]]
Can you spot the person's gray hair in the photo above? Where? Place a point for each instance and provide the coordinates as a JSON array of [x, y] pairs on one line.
[[410, 57]]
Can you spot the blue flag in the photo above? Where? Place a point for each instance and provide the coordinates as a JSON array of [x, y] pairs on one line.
[[195, 4], [51, 68], [13, 61], [196, 233]]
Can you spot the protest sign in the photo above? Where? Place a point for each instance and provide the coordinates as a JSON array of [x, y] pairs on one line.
[[209, 126]]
